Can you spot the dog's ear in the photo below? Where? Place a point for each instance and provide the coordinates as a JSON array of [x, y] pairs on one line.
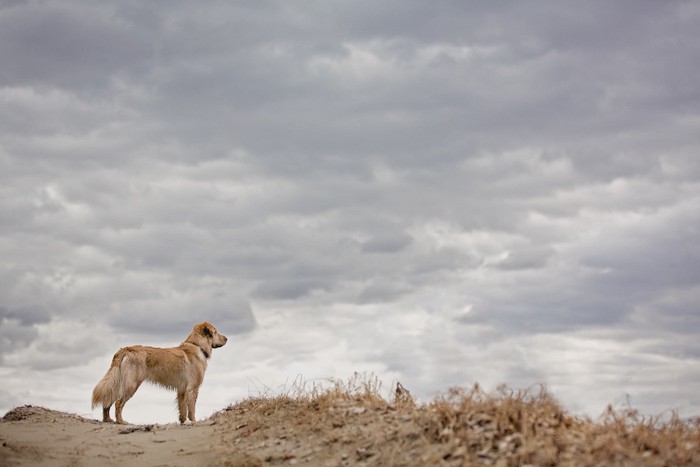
[[206, 331]]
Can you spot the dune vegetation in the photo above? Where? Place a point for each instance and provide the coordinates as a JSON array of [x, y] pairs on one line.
[[352, 423]]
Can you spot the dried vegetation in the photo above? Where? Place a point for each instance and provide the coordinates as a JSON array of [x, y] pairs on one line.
[[352, 424]]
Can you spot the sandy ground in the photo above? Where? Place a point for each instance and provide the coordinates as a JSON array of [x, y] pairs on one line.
[[353, 428], [256, 433], [41, 437], [268, 432]]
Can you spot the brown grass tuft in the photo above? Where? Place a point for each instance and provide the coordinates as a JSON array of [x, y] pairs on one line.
[[348, 423]]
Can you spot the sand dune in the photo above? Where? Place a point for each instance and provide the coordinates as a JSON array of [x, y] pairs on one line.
[[353, 425]]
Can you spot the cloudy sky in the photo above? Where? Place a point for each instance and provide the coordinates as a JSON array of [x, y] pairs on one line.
[[437, 193]]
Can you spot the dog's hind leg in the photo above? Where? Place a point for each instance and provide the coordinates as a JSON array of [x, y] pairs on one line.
[[118, 411], [105, 414], [119, 406]]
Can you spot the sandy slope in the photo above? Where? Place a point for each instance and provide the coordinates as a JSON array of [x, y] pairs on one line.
[[342, 427], [37, 436], [254, 433]]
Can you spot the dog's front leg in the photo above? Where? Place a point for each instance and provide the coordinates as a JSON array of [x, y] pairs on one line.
[[182, 406], [191, 402]]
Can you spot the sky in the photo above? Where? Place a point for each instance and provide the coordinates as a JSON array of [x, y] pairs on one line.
[[437, 193]]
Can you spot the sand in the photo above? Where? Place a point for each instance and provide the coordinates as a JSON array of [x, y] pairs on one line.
[[356, 427], [41, 437]]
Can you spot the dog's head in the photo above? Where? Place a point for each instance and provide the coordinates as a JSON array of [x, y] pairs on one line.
[[206, 337], [209, 331]]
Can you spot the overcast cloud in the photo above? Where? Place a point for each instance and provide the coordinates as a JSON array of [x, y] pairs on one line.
[[436, 192]]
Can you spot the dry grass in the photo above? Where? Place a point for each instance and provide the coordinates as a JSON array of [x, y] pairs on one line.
[[351, 423], [343, 423]]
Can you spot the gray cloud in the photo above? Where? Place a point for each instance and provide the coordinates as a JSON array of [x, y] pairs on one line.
[[440, 193], [26, 316], [14, 336]]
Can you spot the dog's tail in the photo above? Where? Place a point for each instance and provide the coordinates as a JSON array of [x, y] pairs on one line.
[[109, 388]]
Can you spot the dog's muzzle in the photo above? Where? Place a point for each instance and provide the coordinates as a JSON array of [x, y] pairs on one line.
[[216, 345]]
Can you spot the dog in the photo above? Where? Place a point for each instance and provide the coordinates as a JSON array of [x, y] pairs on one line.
[[180, 368]]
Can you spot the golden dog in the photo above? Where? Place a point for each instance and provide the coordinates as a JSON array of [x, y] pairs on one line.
[[180, 368]]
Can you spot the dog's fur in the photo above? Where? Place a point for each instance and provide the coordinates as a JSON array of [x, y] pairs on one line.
[[180, 368]]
